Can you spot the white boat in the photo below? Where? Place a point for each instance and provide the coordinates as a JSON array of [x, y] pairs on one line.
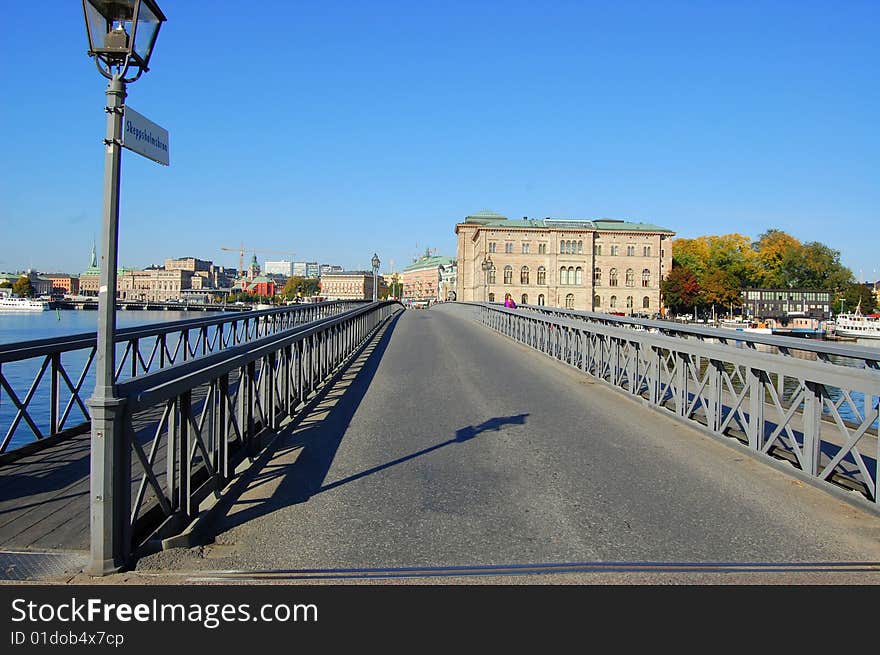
[[22, 305], [746, 326], [864, 326]]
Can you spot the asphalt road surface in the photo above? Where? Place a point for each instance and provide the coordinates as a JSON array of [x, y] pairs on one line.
[[446, 453]]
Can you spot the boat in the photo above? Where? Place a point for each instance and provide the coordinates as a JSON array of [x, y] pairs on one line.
[[22, 305], [856, 324], [746, 326]]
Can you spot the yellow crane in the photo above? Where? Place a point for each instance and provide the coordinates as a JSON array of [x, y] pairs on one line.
[[241, 250]]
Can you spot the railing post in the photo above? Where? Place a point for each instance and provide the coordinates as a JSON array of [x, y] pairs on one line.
[[812, 417], [755, 380]]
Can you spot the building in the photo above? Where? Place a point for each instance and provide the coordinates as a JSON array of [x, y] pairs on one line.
[[326, 269], [63, 284], [348, 285], [313, 270], [448, 280], [782, 304], [282, 267], [422, 279], [601, 265]]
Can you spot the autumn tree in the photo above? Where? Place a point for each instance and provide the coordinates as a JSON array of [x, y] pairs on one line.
[[680, 289]]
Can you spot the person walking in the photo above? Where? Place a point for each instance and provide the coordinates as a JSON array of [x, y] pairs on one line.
[[508, 301]]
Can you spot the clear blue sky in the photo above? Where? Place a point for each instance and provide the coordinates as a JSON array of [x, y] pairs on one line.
[[339, 129]]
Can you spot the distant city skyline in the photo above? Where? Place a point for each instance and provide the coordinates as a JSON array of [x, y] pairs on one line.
[[356, 134]]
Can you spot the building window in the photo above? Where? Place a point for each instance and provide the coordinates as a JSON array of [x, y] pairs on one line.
[[524, 275], [597, 276], [562, 247], [597, 301], [630, 251], [541, 299], [525, 248], [646, 251], [571, 274], [629, 302], [612, 277], [563, 275], [579, 275], [490, 277], [580, 247], [646, 277], [569, 301], [542, 248], [508, 247], [613, 302], [646, 303], [542, 275], [491, 246], [597, 249], [491, 297], [615, 250], [508, 274], [630, 278], [525, 299]]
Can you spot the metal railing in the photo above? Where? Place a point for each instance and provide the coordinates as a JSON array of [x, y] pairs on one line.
[[185, 429], [45, 380], [819, 415]]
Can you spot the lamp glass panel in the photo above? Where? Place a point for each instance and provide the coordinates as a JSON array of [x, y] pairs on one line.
[[148, 26]]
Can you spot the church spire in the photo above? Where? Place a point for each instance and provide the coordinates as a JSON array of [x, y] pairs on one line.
[[93, 258]]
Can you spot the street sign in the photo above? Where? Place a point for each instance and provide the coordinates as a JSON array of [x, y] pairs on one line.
[[143, 136]]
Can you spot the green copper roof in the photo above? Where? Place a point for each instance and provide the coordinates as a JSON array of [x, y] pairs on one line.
[[495, 220], [483, 216], [431, 261]]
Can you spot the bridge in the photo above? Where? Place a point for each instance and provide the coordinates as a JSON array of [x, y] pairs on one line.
[[466, 441], [91, 304]]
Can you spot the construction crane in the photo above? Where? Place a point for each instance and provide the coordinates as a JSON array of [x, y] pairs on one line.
[[241, 250]]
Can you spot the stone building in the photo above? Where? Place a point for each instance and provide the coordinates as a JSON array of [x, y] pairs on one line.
[[602, 265], [422, 279], [348, 285]]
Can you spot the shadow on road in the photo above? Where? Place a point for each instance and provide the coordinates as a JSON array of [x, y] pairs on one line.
[[301, 456]]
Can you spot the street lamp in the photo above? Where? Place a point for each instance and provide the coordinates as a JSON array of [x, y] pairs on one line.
[[488, 267], [375, 262], [121, 36]]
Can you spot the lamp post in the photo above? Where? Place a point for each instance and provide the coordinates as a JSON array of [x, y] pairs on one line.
[[488, 267], [375, 262], [121, 36]]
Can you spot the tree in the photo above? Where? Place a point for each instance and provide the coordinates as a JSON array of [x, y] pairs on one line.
[[719, 287], [777, 254], [852, 295], [22, 287], [5, 284], [681, 289], [297, 286]]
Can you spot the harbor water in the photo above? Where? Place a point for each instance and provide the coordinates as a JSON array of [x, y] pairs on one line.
[[18, 326]]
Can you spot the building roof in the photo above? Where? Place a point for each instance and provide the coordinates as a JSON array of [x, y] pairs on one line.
[[491, 219], [429, 261]]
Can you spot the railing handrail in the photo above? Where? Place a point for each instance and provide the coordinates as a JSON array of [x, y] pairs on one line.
[[25, 349], [859, 379], [155, 387], [788, 343]]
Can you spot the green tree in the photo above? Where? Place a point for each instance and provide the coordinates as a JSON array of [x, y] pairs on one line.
[[5, 284], [297, 286], [853, 294], [22, 287], [680, 289]]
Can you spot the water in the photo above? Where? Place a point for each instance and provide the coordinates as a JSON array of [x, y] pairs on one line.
[[26, 326]]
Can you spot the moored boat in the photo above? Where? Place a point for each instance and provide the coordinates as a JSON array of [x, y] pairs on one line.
[[864, 326], [13, 304]]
